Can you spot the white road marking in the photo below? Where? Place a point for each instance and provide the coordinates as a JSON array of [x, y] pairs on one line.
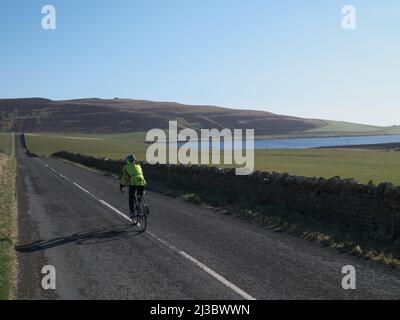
[[123, 215], [188, 257], [206, 269], [83, 189]]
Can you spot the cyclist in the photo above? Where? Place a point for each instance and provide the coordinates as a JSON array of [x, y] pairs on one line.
[[132, 176]]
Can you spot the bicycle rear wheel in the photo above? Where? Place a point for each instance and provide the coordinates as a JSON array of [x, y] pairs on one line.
[[141, 216]]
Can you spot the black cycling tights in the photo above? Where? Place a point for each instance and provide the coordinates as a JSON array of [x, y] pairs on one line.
[[132, 199]]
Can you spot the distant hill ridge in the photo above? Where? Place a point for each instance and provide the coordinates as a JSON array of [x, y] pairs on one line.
[[124, 115]]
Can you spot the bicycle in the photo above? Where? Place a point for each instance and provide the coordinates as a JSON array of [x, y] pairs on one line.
[[141, 213]]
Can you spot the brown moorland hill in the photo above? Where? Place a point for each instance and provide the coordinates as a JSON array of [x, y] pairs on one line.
[[125, 115]]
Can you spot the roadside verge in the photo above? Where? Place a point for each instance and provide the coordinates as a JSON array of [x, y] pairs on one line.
[[7, 226]]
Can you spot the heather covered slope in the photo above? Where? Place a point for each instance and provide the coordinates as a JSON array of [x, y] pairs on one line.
[[122, 115]]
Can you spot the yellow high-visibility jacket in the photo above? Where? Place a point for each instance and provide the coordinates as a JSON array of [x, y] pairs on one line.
[[132, 174]]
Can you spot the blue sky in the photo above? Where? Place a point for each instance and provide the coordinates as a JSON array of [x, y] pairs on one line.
[[289, 56]]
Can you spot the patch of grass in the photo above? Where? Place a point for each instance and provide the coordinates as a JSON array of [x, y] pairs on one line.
[[5, 142], [7, 187], [362, 165], [108, 146], [341, 126]]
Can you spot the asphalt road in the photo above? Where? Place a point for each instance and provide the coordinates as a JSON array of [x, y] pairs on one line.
[[72, 218]]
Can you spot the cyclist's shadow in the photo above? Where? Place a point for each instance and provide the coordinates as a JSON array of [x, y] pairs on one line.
[[93, 236]]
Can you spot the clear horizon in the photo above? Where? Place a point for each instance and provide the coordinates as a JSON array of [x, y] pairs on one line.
[[287, 58]]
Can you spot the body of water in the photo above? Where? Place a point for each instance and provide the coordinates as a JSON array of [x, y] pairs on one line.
[[306, 143]]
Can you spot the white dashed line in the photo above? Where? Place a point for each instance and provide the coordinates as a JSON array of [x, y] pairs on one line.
[[185, 255]]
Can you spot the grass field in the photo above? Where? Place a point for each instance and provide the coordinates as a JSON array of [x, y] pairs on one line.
[[110, 146], [363, 165], [7, 174], [341, 126], [5, 142]]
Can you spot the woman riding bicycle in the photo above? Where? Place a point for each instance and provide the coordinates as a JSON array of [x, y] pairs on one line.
[[132, 176]]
